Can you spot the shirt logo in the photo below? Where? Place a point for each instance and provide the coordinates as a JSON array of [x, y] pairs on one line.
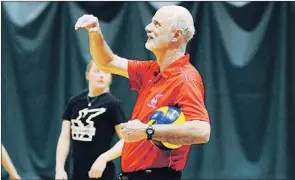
[[85, 132], [154, 101]]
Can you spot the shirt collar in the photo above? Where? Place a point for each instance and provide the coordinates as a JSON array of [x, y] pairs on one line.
[[174, 66]]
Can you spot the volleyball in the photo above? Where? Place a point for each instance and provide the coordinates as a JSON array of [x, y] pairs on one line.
[[166, 115]]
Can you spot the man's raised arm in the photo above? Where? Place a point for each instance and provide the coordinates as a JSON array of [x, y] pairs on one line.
[[101, 53]]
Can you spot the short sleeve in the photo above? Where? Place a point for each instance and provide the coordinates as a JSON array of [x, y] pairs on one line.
[[190, 100], [68, 111], [119, 115], [136, 72]]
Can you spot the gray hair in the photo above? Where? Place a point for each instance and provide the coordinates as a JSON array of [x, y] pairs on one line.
[[187, 28], [183, 21]]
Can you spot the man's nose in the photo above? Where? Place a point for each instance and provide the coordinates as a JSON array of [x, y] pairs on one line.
[[148, 29]]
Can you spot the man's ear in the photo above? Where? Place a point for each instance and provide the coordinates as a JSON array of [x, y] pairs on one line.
[[177, 36]]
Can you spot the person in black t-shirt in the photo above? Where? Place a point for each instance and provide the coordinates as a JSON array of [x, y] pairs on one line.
[[90, 120]]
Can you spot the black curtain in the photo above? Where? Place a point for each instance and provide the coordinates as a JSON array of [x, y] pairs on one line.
[[245, 55]]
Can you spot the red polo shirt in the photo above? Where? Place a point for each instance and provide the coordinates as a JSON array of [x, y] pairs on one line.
[[180, 83]]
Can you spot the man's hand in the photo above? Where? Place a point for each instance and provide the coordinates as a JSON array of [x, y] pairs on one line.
[[61, 174], [98, 167], [89, 22], [133, 130]]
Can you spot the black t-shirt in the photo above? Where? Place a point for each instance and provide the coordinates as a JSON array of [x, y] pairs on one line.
[[92, 128]]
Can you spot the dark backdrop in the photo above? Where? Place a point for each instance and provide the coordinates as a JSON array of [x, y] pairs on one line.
[[245, 55]]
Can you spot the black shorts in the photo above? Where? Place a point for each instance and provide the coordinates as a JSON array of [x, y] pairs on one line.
[[152, 174], [108, 174], [81, 176]]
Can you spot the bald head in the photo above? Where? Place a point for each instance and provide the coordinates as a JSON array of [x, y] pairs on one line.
[[176, 10], [181, 19]]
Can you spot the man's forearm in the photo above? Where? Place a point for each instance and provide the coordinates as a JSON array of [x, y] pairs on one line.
[[99, 49], [191, 132], [62, 151], [114, 152]]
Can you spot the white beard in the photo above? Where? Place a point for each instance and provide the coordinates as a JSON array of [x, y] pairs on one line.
[[150, 44], [153, 44]]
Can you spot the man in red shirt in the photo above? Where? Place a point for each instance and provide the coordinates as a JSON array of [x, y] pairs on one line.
[[169, 81]]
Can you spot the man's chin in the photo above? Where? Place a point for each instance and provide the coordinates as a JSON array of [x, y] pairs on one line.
[[149, 47]]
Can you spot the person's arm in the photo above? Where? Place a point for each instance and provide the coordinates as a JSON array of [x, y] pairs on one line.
[[63, 147], [8, 165], [118, 116], [103, 56], [116, 150], [190, 132], [99, 165], [186, 133], [101, 53]]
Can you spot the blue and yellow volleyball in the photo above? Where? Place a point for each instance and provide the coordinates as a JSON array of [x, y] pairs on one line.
[[166, 115]]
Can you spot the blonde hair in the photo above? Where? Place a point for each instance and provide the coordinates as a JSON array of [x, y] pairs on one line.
[[89, 65]]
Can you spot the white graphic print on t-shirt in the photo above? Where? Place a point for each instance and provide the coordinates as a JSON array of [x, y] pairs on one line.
[[81, 132]]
